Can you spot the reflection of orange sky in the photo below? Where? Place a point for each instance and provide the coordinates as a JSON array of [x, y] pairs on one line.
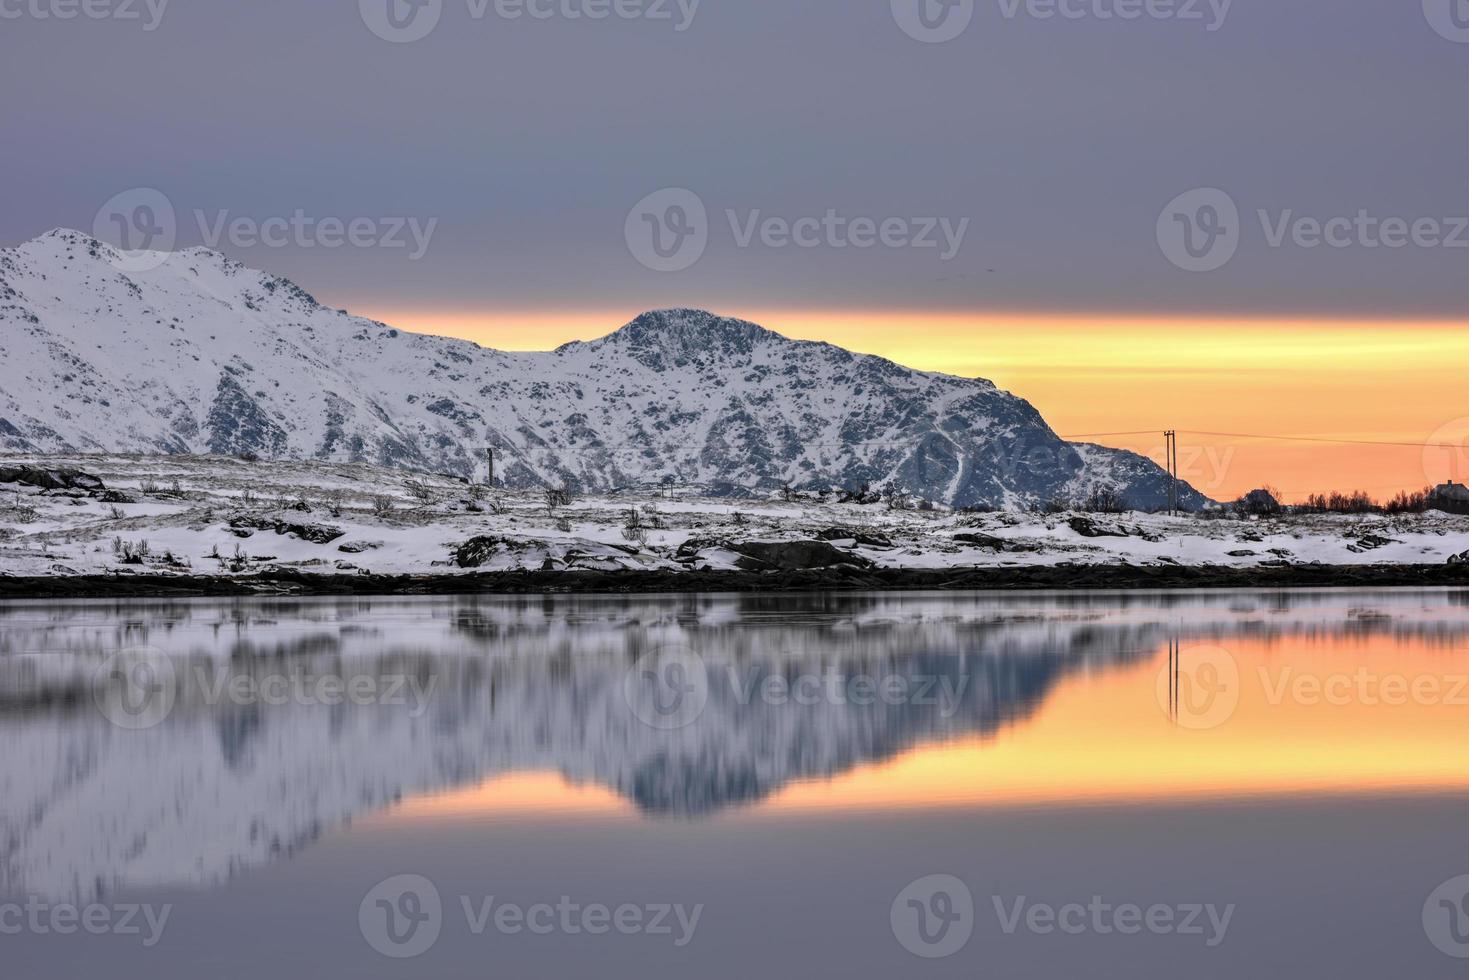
[[1396, 382], [1104, 738]]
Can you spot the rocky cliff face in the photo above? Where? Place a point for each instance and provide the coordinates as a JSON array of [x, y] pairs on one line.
[[202, 354]]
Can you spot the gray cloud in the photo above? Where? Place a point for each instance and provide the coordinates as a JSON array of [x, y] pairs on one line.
[[1061, 140]]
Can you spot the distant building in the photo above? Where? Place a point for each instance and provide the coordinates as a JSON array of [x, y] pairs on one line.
[[1449, 496]]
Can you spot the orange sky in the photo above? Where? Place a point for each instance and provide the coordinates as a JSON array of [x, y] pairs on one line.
[[1394, 382]]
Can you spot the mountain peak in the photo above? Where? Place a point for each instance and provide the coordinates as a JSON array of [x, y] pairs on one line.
[[70, 236], [690, 330]]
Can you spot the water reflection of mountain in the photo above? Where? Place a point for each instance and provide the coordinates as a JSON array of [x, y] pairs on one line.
[[524, 684]]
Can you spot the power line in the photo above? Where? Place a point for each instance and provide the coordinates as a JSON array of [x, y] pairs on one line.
[[1257, 435], [1103, 435], [1326, 439]]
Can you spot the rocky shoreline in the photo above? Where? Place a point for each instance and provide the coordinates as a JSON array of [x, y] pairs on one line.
[[842, 578]]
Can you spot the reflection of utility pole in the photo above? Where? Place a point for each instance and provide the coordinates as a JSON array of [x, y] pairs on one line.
[[1173, 677]]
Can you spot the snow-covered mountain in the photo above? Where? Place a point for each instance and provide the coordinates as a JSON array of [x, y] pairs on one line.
[[200, 354]]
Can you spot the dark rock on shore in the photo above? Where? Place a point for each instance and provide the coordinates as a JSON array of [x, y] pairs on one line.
[[764, 555], [245, 525], [1089, 528], [476, 551], [794, 555], [991, 542], [867, 539], [50, 479]]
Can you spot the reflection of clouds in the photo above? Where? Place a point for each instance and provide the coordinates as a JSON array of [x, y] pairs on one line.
[[533, 684]]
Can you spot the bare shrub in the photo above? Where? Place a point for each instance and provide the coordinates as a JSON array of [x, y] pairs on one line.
[[1103, 500], [131, 552]]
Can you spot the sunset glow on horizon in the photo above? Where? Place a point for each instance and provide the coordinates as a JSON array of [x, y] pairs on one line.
[[1353, 746], [1358, 381]]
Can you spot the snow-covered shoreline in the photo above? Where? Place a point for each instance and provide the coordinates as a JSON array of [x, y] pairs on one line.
[[224, 517]]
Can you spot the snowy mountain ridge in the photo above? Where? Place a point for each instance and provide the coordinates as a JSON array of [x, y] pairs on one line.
[[200, 354]]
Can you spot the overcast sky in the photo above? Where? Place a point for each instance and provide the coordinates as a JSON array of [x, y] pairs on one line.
[[1060, 140]]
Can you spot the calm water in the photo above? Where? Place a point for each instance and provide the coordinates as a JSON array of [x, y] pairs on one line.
[[1198, 785]]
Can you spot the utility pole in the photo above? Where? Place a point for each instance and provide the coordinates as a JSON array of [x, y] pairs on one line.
[[1171, 448]]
